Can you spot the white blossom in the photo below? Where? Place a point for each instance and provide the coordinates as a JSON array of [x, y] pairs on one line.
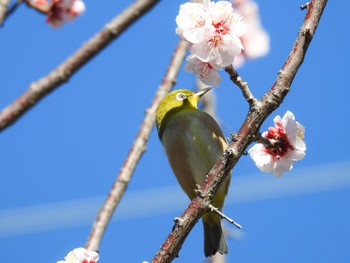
[[212, 30], [287, 146], [204, 71], [80, 255], [256, 40], [63, 10]]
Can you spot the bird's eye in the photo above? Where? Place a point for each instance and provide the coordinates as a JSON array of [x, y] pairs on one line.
[[181, 96]]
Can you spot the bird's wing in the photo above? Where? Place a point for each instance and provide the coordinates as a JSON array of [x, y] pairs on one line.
[[193, 142]]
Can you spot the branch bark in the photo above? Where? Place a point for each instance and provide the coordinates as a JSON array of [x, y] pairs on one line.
[[236, 79], [39, 89], [3, 10], [258, 112], [136, 151]]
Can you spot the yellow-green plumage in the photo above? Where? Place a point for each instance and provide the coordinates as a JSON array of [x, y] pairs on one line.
[[193, 142]]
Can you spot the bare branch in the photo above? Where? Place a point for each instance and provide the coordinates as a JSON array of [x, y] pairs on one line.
[[236, 78], [63, 72], [135, 152], [223, 216], [303, 7], [3, 10], [247, 133], [13, 8], [268, 143]]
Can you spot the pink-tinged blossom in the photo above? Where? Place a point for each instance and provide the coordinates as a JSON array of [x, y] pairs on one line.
[[191, 20], [219, 11], [81, 255], [40, 2], [217, 48], [256, 40], [287, 146], [213, 31], [226, 19], [204, 71], [64, 10], [219, 42]]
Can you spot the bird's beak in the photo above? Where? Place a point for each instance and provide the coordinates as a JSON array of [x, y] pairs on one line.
[[202, 92]]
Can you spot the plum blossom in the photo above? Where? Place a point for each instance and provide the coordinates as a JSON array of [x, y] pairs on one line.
[[60, 11], [213, 31], [217, 48], [40, 2], [256, 40], [205, 72], [190, 21], [280, 146], [80, 255], [64, 10]]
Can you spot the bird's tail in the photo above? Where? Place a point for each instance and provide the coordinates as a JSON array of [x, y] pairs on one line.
[[214, 239]]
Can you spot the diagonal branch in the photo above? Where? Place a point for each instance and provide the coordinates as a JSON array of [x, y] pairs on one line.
[[257, 114], [236, 78], [11, 9], [3, 10], [135, 152], [39, 89]]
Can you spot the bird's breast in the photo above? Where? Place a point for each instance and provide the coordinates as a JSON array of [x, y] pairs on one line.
[[193, 142]]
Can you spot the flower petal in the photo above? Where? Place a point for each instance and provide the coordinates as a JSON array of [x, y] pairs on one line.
[[262, 159], [283, 165], [204, 71]]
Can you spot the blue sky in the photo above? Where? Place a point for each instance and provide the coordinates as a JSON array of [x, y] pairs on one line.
[[60, 159]]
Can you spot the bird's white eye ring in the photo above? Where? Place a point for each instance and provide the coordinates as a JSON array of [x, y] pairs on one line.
[[181, 96]]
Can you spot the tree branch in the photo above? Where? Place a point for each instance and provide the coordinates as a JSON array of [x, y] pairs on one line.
[[236, 78], [63, 72], [303, 7], [13, 8], [223, 216], [3, 10], [257, 114], [135, 152]]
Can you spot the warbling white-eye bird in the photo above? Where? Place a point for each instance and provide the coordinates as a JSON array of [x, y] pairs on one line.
[[193, 142]]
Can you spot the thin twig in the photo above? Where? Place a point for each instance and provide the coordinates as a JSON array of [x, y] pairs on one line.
[[13, 8], [268, 143], [236, 78], [223, 216], [303, 7], [135, 152], [63, 72], [246, 135]]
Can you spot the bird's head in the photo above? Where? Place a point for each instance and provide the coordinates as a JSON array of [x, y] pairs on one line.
[[176, 101]]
